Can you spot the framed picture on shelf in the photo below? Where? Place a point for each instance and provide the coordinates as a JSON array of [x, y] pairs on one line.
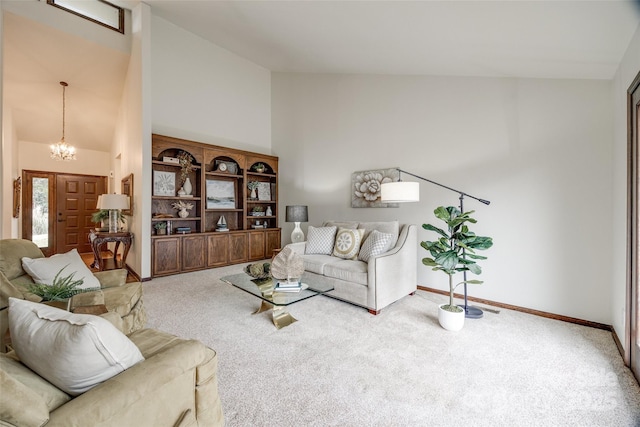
[[221, 194], [164, 183], [264, 191]]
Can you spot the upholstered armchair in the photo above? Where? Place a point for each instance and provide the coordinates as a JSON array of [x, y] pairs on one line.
[[120, 297]]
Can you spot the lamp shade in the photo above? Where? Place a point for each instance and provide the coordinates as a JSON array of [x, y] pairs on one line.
[[297, 213], [113, 201], [400, 192]]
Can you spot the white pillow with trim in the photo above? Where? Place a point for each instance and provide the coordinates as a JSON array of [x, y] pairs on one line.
[[74, 352], [44, 270], [348, 243]]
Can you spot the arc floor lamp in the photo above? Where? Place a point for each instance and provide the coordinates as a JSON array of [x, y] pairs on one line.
[[403, 191]]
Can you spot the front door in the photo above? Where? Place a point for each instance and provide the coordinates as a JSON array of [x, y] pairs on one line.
[[58, 208], [76, 199]]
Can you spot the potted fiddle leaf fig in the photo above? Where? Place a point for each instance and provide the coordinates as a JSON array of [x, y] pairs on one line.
[[454, 252]]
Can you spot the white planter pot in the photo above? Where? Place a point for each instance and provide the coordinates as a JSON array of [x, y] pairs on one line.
[[449, 320]]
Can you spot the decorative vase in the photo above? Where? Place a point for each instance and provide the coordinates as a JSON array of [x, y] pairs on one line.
[[183, 213], [269, 212], [187, 187], [253, 194], [181, 192], [449, 320]]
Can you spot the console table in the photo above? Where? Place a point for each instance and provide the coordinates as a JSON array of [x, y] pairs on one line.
[[98, 238]]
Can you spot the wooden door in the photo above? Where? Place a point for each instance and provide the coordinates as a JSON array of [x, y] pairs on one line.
[[237, 247], [256, 245], [218, 249], [166, 256], [76, 199], [194, 250]]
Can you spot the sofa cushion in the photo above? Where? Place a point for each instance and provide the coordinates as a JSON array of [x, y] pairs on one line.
[[122, 299], [75, 352], [52, 396], [12, 251], [348, 270], [20, 405], [348, 243], [320, 240], [377, 243], [390, 227], [44, 270], [316, 263]]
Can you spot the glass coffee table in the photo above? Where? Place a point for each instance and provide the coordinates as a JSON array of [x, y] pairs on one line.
[[276, 301]]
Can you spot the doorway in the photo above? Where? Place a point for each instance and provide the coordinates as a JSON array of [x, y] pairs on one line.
[[633, 226], [58, 208]]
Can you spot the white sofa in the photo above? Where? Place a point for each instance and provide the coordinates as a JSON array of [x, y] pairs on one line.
[[383, 279]]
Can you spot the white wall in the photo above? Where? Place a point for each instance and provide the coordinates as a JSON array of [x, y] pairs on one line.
[[629, 68], [37, 156], [205, 93], [132, 141], [539, 150]]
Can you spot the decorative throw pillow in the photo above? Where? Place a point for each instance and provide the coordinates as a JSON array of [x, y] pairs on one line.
[[74, 352], [44, 270], [320, 240], [377, 243], [348, 243]]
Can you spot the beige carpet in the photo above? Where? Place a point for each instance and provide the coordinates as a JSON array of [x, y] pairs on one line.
[[340, 366]]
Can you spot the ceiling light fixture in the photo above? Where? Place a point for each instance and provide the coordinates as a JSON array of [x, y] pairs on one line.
[[61, 150]]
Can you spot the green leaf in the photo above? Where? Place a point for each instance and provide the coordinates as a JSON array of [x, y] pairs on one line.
[[474, 268], [436, 229], [448, 260], [442, 213]]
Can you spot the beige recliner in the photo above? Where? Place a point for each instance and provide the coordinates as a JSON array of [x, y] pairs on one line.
[[120, 297]]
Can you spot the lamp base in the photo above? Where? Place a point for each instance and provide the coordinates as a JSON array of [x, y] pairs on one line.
[[297, 235], [113, 221], [472, 312]]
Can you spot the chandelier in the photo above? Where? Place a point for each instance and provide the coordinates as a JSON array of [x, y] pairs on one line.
[[61, 150]]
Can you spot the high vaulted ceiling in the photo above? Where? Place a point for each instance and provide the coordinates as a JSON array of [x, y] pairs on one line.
[[509, 38], [513, 38]]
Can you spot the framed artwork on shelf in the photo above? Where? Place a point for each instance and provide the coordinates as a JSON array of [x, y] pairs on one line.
[[221, 194], [164, 183], [264, 191]]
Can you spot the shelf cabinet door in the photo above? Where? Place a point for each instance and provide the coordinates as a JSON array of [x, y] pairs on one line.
[[257, 245], [166, 256], [218, 250], [237, 248], [272, 241], [194, 250]]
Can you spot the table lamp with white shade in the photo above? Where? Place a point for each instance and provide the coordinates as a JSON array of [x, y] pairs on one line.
[[113, 203]]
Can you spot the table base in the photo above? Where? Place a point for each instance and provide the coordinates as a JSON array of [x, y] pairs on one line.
[[280, 316]]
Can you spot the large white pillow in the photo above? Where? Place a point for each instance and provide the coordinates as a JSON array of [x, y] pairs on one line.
[[320, 240], [44, 270], [74, 352]]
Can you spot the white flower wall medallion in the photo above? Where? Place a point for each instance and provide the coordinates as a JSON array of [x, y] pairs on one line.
[[366, 187]]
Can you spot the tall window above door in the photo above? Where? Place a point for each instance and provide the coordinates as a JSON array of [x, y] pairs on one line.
[[99, 11]]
